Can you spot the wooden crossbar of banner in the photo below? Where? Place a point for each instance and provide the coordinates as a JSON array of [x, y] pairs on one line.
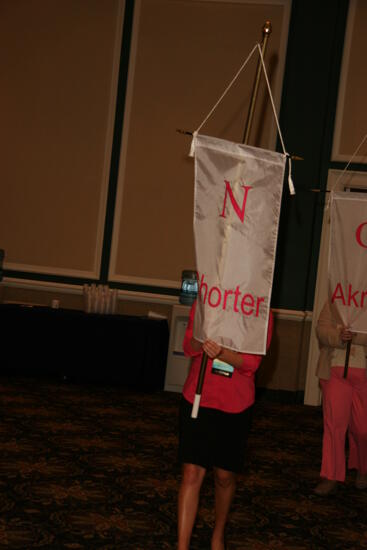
[[188, 133]]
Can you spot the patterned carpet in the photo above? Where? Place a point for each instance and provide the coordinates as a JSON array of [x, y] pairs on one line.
[[95, 467]]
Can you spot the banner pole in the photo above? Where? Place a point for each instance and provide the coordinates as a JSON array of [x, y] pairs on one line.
[[199, 387], [346, 364], [266, 33]]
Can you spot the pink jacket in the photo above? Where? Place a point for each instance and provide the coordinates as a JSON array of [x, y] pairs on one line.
[[231, 395]]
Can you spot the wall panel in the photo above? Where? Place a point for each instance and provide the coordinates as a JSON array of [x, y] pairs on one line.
[[58, 86], [351, 115], [184, 54]]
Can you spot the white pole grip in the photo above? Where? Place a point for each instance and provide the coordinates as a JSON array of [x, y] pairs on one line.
[[195, 406]]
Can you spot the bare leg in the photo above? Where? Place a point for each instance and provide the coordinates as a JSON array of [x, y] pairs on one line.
[[188, 501], [225, 487]]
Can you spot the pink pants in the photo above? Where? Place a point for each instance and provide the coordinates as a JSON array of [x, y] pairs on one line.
[[344, 408]]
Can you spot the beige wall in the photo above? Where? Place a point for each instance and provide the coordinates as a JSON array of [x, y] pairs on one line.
[[59, 89], [185, 53], [351, 116], [60, 65], [58, 85]]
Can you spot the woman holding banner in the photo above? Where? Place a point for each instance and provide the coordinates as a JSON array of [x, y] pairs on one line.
[[217, 438], [344, 401]]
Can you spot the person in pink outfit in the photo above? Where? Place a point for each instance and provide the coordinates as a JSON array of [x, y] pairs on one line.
[[344, 401], [217, 437]]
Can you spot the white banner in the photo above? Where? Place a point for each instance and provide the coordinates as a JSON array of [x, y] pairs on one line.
[[238, 191], [348, 258]]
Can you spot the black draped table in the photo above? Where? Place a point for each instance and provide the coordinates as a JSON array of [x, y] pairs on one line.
[[90, 347]]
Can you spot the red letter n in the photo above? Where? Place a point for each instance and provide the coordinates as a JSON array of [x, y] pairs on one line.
[[239, 211]]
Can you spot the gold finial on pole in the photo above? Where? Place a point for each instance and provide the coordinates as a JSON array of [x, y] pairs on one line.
[[266, 33], [266, 28]]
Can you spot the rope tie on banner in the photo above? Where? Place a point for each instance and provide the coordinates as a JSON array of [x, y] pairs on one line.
[[287, 155]]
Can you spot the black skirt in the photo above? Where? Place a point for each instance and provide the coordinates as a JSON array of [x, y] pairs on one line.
[[213, 439]]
